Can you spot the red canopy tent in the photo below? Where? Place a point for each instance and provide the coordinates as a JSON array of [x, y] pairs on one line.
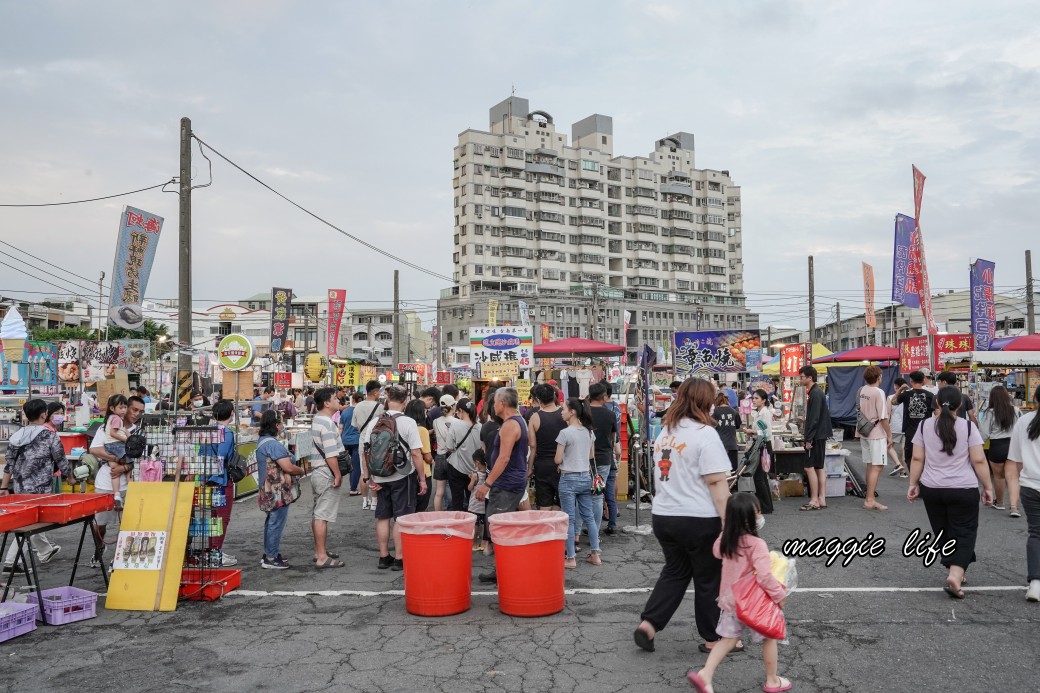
[[1029, 342], [576, 346], [867, 353]]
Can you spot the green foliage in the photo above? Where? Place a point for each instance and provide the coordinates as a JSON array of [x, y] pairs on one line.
[[151, 331]]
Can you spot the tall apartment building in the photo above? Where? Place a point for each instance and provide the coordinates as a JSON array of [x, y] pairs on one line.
[[583, 235]]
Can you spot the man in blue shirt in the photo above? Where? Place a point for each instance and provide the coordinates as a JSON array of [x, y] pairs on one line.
[[258, 409], [731, 395]]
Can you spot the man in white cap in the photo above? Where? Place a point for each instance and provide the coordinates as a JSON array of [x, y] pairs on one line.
[[441, 425]]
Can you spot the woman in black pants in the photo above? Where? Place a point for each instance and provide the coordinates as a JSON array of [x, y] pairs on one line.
[[462, 439], [691, 467], [948, 466]]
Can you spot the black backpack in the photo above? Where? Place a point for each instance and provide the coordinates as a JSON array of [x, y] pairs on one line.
[[235, 464]]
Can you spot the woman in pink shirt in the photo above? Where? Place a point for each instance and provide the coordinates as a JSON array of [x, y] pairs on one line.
[[947, 468], [742, 552]]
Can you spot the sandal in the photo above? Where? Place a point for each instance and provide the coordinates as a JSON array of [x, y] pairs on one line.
[[875, 506], [1013, 512], [706, 650], [330, 562], [697, 682], [954, 593], [594, 559], [785, 685], [809, 506], [570, 563]]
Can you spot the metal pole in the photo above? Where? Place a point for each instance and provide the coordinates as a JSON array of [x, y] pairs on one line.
[[100, 302], [184, 335], [812, 302], [397, 320], [837, 317], [1030, 312]]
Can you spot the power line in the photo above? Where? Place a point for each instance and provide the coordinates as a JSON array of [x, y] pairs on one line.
[[24, 252], [324, 221], [92, 199]]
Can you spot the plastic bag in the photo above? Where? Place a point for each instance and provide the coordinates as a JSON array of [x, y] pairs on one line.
[[784, 570], [528, 527]]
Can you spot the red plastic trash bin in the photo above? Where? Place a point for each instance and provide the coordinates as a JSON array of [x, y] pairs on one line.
[[529, 548], [437, 549]]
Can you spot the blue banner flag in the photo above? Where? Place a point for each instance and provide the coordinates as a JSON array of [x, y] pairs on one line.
[[905, 273], [983, 310], [135, 250]]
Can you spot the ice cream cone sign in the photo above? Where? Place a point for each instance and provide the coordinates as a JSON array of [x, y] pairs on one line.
[[13, 335]]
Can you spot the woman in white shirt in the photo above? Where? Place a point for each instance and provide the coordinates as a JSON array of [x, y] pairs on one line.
[[1024, 455], [574, 457], [996, 426], [691, 466]]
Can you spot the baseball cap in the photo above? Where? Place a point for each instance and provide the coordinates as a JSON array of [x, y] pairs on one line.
[[447, 401]]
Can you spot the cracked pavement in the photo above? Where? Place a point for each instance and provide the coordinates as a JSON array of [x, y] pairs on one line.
[[840, 641]]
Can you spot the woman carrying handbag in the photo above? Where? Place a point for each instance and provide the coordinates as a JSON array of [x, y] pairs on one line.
[[278, 481]]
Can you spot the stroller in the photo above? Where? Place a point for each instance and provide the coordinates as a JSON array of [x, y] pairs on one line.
[[751, 478]]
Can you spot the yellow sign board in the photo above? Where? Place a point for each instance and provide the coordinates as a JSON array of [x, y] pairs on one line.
[[523, 390], [153, 507], [500, 369]]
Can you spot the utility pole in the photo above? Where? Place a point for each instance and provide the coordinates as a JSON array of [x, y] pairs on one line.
[[837, 313], [769, 341], [1030, 312], [184, 258], [397, 320], [594, 314], [812, 303], [100, 303]]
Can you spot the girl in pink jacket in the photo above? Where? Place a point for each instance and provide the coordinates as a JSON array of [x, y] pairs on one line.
[[742, 552]]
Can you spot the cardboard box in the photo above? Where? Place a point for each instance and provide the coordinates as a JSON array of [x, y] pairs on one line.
[[792, 488]]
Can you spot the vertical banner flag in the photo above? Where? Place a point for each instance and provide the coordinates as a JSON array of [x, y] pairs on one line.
[[983, 310], [281, 303], [337, 301], [525, 317], [624, 334], [868, 295], [135, 251], [546, 337], [905, 287], [925, 289], [492, 320], [435, 337]]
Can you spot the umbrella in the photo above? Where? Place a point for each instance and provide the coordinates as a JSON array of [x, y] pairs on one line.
[[867, 353], [1030, 342], [576, 346]]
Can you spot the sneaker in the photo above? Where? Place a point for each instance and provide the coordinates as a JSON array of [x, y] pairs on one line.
[[49, 556], [386, 562], [895, 471], [1014, 512], [9, 568], [364, 504], [610, 531], [489, 577], [1033, 593], [227, 560], [95, 562], [398, 564], [997, 506], [904, 475], [273, 563]]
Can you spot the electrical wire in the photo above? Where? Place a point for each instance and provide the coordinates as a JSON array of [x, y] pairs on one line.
[[92, 199], [303, 209]]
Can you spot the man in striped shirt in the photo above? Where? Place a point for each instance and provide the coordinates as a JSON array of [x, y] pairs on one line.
[[326, 480]]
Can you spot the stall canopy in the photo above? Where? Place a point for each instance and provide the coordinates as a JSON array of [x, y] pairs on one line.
[[1030, 342], [867, 353], [996, 359], [576, 346], [818, 352]]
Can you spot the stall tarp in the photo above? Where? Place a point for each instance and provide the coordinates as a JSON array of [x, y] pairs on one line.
[[843, 386]]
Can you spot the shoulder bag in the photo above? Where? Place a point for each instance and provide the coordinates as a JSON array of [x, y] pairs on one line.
[[757, 610], [863, 425]]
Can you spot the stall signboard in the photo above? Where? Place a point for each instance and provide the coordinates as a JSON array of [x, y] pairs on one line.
[[419, 369], [913, 354], [499, 369], [68, 361], [118, 384], [134, 355], [713, 352], [98, 360], [794, 357], [43, 363], [443, 377], [348, 375], [13, 376], [282, 381], [950, 344], [281, 307], [523, 390], [235, 352], [512, 344], [367, 373], [754, 360]]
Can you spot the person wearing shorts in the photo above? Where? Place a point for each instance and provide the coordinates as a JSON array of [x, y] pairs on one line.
[[817, 429], [326, 480], [395, 494], [874, 445]]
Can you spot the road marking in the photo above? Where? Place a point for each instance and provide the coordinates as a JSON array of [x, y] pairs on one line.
[[572, 592]]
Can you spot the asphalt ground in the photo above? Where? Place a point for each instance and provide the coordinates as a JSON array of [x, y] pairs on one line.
[[879, 624]]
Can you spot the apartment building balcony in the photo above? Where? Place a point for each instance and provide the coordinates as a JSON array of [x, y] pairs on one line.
[[674, 188], [551, 169], [590, 221]]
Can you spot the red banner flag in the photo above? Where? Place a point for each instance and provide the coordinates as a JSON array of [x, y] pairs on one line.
[[337, 302], [925, 291]]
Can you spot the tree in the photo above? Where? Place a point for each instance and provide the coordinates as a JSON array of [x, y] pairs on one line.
[[150, 331], [61, 334]]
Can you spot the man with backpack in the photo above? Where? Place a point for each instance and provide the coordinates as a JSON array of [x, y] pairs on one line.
[[326, 479], [393, 453]]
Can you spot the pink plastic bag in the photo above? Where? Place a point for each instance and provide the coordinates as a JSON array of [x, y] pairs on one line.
[[767, 460]]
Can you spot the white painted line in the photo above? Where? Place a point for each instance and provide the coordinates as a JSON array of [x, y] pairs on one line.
[[572, 592]]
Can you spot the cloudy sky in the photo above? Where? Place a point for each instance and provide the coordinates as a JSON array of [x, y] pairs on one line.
[[352, 109]]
